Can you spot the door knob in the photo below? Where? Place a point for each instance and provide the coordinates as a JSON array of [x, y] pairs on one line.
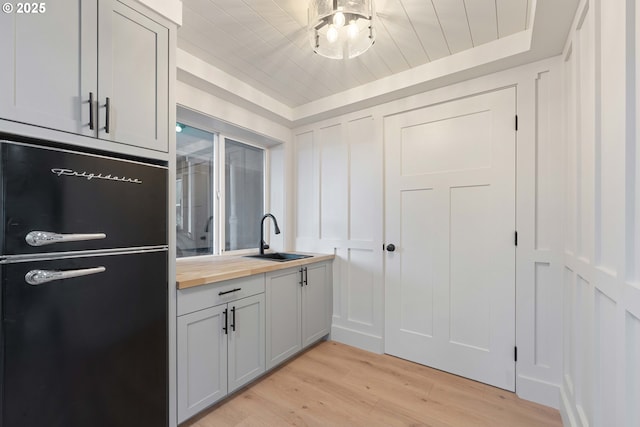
[[391, 247]]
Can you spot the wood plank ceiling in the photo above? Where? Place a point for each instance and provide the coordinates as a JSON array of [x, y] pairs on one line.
[[265, 42]]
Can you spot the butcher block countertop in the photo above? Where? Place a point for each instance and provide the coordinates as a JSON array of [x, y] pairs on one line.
[[210, 269]]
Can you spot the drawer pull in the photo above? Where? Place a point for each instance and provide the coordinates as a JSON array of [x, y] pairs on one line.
[[228, 292]]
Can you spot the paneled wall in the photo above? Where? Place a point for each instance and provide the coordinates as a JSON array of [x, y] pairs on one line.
[[339, 184], [601, 280], [339, 208]]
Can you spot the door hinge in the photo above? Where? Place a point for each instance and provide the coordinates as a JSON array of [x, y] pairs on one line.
[[515, 354], [516, 122], [515, 238]]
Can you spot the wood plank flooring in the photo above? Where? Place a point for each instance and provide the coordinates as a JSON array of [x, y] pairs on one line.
[[333, 384]]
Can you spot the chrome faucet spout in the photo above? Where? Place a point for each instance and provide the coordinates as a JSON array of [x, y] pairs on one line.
[[275, 223]]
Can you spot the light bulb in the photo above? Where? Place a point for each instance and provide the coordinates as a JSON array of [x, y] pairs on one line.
[[338, 19], [178, 127], [332, 34], [353, 30]]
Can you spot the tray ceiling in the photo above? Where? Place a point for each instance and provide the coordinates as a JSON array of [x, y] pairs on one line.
[[265, 44]]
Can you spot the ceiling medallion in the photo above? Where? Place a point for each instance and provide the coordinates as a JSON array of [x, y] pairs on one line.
[[341, 29]]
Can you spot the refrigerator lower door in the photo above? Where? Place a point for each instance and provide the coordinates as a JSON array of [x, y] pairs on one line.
[[86, 343]]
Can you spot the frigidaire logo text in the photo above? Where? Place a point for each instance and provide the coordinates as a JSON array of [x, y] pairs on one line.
[[90, 176]]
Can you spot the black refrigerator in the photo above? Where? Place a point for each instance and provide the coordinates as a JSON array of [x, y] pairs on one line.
[[84, 336]]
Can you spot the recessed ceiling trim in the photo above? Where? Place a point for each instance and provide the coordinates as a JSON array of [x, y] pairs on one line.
[[462, 61]]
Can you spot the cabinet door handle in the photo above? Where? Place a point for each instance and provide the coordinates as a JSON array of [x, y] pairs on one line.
[[233, 318], [228, 292], [91, 110], [306, 276], [108, 114], [301, 276], [225, 329]]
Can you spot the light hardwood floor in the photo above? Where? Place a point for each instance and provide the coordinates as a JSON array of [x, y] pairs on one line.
[[334, 384]]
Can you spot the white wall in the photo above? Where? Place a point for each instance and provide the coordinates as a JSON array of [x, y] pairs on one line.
[[601, 381], [338, 169]]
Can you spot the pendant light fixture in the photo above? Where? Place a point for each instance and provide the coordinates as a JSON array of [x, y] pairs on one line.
[[341, 28]]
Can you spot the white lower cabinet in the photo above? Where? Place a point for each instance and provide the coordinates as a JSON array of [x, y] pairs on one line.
[[202, 360], [220, 348], [316, 303], [224, 329], [298, 309]]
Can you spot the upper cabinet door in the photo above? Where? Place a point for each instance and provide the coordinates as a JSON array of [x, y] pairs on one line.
[[49, 64], [133, 77]]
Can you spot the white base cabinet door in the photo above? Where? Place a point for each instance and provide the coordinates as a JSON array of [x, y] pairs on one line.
[[299, 306], [316, 304], [284, 323], [202, 360], [246, 342]]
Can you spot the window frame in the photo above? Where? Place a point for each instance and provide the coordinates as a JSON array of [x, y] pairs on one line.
[[222, 142], [218, 186]]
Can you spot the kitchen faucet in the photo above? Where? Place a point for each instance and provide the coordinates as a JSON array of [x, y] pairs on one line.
[[275, 222]]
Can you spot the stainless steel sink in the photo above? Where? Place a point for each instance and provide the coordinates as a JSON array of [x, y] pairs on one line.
[[279, 256]]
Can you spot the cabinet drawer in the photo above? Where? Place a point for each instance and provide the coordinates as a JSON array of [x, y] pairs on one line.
[[201, 297]]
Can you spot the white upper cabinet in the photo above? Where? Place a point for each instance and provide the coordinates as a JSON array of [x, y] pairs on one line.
[[99, 69], [49, 66], [133, 76]]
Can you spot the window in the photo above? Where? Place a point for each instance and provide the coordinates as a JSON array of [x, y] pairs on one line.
[[219, 193], [244, 195]]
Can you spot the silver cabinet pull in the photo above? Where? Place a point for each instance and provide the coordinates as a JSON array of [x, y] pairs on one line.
[[38, 277], [41, 238]]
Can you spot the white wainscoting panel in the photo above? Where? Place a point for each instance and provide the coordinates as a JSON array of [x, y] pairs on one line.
[[601, 384], [363, 186], [341, 213], [360, 291], [307, 224], [632, 382], [334, 178]]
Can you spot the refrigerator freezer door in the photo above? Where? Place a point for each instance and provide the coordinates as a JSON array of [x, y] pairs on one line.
[[88, 350], [58, 201]]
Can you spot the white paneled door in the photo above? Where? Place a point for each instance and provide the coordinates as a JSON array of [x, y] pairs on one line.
[[450, 212]]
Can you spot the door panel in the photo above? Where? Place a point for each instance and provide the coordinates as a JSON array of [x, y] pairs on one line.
[[246, 341], [202, 360], [416, 284], [283, 295], [49, 65], [133, 74], [77, 352], [450, 210], [316, 301], [68, 192]]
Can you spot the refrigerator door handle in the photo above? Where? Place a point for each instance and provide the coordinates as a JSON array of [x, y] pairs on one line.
[[41, 238], [38, 277]]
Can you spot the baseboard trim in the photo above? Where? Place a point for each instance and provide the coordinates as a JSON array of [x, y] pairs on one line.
[[566, 412], [538, 391], [357, 339]]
